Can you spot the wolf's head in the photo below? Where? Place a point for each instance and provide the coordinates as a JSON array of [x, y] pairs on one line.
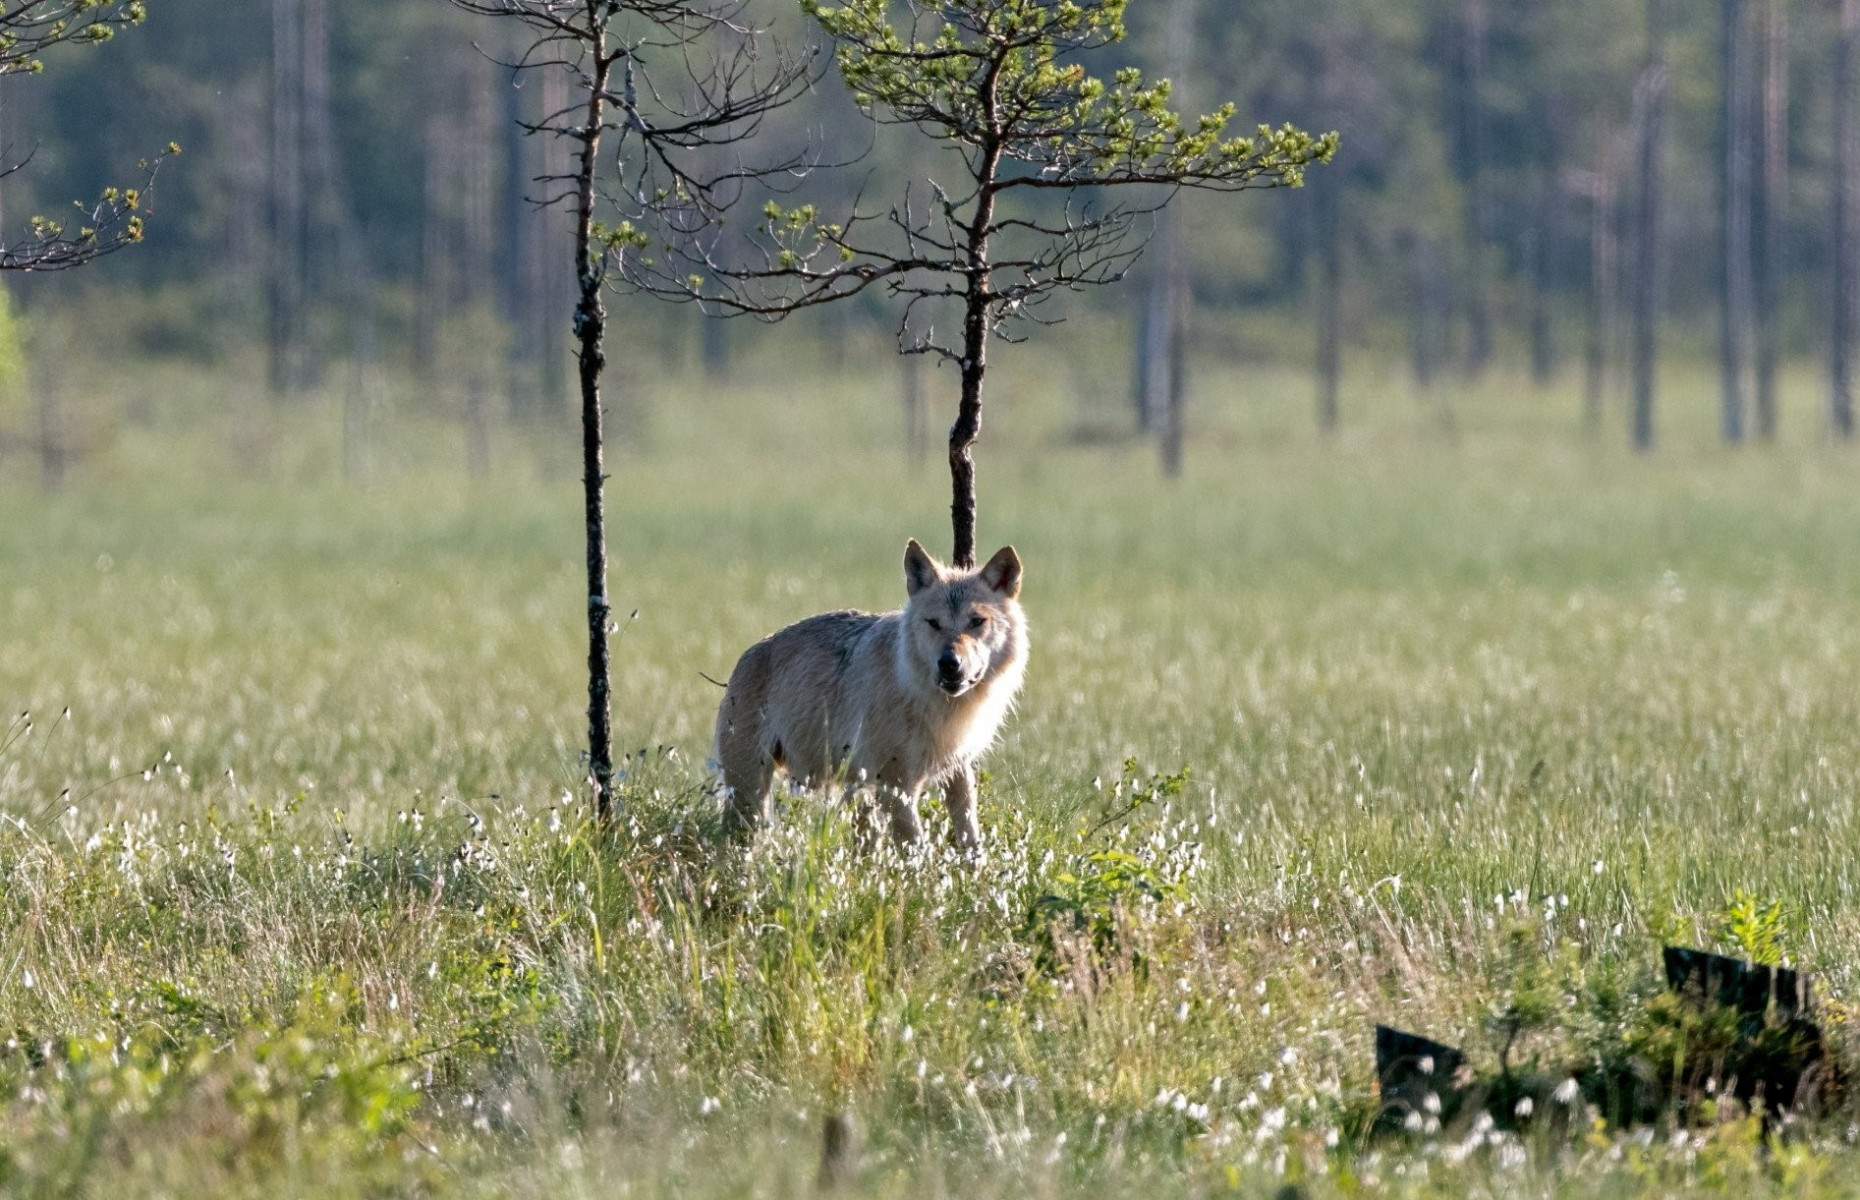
[[962, 627]]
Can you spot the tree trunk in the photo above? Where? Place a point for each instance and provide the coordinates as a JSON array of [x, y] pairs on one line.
[[1329, 302], [1140, 357], [1733, 220], [1160, 332], [1475, 36], [1768, 204], [433, 303], [1159, 350], [1603, 289], [1543, 237], [1156, 330], [240, 281], [1647, 227], [285, 292], [968, 424], [322, 202], [1175, 397], [975, 331], [364, 383], [1840, 350], [590, 331], [53, 456], [1427, 313], [478, 230]]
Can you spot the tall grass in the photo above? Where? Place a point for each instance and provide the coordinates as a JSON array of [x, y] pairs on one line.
[[298, 897]]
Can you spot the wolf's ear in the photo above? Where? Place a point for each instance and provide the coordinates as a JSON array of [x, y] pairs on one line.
[[920, 570], [1003, 573]]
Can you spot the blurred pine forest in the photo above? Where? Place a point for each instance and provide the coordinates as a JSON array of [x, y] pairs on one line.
[[355, 190]]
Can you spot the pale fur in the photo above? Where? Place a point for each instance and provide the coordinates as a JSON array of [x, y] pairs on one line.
[[856, 697]]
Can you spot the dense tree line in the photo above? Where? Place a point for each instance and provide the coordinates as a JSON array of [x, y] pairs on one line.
[[356, 186]]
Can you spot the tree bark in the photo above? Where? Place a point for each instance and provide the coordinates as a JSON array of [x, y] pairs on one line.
[[1647, 228], [1840, 350], [590, 331], [968, 424], [1329, 302], [1768, 206], [1733, 220]]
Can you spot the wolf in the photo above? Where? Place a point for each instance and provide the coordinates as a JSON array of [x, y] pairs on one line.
[[896, 701]]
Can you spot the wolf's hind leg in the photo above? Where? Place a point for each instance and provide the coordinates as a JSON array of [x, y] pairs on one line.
[[959, 798], [748, 778]]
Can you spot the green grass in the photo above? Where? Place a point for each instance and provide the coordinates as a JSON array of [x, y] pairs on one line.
[[352, 936]]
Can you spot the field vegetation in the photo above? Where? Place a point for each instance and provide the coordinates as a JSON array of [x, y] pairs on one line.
[[1448, 721]]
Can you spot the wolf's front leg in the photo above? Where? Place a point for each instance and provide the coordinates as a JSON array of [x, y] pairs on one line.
[[959, 798], [901, 808], [900, 813]]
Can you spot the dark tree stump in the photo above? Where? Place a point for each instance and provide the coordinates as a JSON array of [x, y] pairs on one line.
[[1418, 1078]]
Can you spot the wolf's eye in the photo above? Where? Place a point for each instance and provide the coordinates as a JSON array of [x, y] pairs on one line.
[[933, 623], [977, 622]]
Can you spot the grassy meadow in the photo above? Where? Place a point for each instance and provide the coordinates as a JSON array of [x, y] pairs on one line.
[[299, 900]]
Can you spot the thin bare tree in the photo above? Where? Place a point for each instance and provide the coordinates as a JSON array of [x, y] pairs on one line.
[[652, 86], [1846, 272], [1769, 208], [1328, 203], [1734, 202], [1163, 344], [1475, 38], [1651, 104]]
